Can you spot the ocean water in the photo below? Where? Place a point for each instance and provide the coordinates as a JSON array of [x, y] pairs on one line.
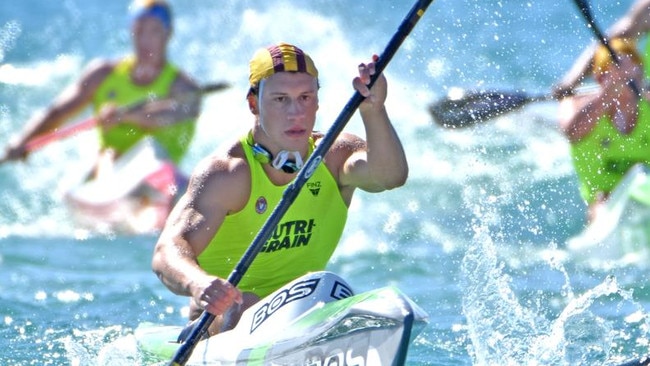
[[477, 237]]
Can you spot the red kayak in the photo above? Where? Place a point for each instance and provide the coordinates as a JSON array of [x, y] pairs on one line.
[[133, 196]]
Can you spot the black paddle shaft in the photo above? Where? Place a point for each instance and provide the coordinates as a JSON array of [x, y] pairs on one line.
[[291, 192], [583, 5]]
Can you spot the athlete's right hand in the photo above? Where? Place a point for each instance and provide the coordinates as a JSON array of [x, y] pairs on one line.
[[217, 295], [15, 151]]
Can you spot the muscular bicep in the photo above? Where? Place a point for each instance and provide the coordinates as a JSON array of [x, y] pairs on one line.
[[348, 158], [212, 194], [191, 225], [356, 173], [373, 166]]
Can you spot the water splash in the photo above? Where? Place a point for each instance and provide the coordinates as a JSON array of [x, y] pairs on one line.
[[504, 331], [105, 346], [9, 32], [497, 324]]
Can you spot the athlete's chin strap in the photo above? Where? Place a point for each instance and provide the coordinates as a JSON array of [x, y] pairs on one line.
[[282, 162]]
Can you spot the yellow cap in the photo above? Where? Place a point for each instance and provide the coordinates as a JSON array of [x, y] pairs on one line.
[[278, 58]]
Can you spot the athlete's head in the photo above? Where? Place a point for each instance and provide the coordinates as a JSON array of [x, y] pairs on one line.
[[158, 9]]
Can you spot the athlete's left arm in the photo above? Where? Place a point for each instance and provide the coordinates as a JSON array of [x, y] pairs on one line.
[[635, 23], [380, 163]]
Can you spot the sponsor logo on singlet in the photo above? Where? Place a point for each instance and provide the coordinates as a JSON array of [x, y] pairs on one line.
[[314, 187], [291, 234], [261, 205]]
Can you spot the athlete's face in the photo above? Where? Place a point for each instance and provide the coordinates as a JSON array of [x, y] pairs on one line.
[[287, 105], [150, 38]]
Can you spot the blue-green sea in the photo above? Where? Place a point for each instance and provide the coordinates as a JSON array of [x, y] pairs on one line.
[[477, 237]]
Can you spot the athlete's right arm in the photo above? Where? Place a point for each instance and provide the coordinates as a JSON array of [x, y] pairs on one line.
[[70, 102], [216, 188]]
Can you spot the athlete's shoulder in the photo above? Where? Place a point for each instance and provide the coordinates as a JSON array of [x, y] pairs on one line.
[[97, 70], [349, 143], [225, 164]]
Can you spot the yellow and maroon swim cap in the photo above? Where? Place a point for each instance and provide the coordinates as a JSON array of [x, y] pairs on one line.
[[279, 58]]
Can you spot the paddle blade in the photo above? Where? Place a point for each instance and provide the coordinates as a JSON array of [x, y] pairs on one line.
[[464, 110], [214, 87]]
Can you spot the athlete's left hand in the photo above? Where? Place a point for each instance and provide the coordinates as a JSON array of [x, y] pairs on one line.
[[375, 96]]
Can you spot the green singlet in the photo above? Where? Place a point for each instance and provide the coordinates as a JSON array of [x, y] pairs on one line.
[[303, 241], [602, 158], [118, 88]]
